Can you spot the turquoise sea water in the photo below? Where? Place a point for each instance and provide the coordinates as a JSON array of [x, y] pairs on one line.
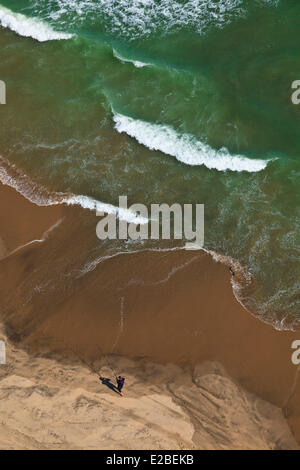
[[184, 101]]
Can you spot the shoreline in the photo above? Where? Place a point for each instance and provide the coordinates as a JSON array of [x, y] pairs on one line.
[[177, 308], [13, 178]]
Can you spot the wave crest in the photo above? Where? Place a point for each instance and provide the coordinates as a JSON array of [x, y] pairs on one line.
[[185, 148], [29, 27], [136, 63]]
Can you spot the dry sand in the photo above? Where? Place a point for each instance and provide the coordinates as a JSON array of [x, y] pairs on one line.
[[47, 404], [169, 322]]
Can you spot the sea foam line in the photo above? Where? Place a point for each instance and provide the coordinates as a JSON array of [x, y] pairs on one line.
[[11, 176], [29, 27], [38, 240], [184, 147], [239, 282], [92, 204]]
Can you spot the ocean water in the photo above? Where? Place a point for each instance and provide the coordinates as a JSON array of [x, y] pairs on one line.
[[185, 101]]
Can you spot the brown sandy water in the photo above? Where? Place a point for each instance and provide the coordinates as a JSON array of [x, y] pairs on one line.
[[162, 306]]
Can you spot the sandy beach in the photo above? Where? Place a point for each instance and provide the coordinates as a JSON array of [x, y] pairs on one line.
[[166, 320]]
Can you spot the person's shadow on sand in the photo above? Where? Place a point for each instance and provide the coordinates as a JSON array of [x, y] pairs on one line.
[[108, 383]]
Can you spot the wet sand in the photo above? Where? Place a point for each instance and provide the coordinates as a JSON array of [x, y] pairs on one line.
[[173, 307]]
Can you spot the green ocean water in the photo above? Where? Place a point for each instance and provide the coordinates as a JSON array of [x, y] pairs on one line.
[[166, 101]]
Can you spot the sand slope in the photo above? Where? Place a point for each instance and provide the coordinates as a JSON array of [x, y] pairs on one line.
[[48, 405]]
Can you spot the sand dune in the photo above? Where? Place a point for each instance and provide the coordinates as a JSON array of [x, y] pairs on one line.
[[45, 404]]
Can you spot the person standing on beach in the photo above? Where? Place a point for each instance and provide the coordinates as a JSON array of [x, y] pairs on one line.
[[120, 382]]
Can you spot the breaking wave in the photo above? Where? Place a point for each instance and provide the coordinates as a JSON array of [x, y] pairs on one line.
[[29, 27], [184, 147], [136, 63], [11, 176]]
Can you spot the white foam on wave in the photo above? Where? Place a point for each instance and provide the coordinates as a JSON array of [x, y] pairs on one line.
[[11, 176], [92, 204], [184, 147], [29, 27], [136, 63], [138, 18]]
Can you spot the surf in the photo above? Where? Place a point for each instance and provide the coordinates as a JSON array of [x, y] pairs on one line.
[[12, 176], [184, 147], [29, 27]]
